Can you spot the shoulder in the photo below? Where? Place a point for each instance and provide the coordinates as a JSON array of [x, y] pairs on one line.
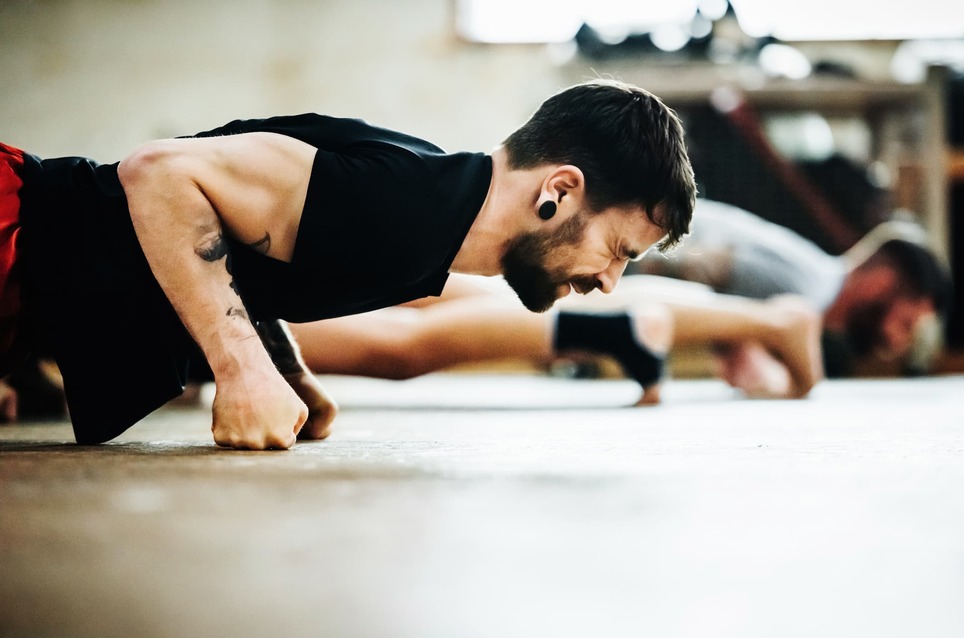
[[327, 132], [267, 155]]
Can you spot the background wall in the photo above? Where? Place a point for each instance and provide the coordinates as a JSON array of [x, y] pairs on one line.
[[97, 77]]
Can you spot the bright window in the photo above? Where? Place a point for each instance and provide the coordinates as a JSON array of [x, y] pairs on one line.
[[558, 20]]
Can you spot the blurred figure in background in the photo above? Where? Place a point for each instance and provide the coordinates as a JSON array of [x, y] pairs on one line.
[[879, 300]]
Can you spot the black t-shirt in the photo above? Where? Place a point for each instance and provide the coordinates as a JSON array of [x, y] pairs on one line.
[[384, 217]]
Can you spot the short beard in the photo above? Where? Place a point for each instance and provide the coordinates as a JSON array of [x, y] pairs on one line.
[[524, 269]]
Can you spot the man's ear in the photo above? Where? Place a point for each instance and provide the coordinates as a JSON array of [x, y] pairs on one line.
[[565, 180]]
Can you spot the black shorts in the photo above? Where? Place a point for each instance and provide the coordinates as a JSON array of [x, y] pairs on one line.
[[91, 302]]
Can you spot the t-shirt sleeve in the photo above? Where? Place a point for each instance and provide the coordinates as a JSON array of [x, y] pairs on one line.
[[384, 216]]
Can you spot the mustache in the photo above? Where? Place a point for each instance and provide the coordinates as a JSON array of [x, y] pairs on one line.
[[584, 284]]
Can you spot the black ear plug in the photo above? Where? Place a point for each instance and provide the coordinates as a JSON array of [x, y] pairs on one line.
[[547, 210]]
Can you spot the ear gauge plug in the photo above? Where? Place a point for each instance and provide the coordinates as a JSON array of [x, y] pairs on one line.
[[547, 210]]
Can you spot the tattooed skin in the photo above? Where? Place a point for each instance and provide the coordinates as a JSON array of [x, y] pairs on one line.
[[279, 344], [236, 312], [213, 247]]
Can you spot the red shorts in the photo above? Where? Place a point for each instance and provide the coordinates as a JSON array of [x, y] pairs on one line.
[[11, 165]]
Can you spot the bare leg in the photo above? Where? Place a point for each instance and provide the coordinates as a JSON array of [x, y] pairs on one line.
[[401, 343]]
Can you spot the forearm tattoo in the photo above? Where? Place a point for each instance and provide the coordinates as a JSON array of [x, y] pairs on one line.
[[213, 247], [280, 345]]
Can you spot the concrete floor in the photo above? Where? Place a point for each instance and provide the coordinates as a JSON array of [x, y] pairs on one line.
[[458, 505]]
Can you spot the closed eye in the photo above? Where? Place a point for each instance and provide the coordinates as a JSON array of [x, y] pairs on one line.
[[628, 254]]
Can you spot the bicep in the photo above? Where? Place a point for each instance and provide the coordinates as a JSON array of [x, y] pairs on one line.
[[256, 183]]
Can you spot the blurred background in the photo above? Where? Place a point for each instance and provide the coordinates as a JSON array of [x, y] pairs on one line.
[[825, 116]]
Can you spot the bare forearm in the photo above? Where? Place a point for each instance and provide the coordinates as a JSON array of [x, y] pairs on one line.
[[785, 326], [722, 319], [401, 343], [184, 196], [182, 239]]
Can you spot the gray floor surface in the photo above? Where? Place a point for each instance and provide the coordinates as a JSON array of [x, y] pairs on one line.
[[474, 505]]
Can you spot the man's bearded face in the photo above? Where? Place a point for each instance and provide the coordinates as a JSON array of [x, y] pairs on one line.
[[526, 269]]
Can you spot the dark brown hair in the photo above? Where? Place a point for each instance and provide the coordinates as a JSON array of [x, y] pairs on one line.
[[919, 272], [628, 144]]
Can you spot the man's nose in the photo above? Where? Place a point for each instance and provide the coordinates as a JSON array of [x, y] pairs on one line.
[[610, 277]]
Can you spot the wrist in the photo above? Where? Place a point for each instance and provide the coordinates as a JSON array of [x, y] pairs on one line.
[[301, 380], [241, 358]]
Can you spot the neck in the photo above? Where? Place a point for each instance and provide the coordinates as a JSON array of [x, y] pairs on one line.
[[499, 219]]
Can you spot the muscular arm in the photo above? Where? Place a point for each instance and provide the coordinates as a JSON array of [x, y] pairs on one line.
[[184, 196]]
